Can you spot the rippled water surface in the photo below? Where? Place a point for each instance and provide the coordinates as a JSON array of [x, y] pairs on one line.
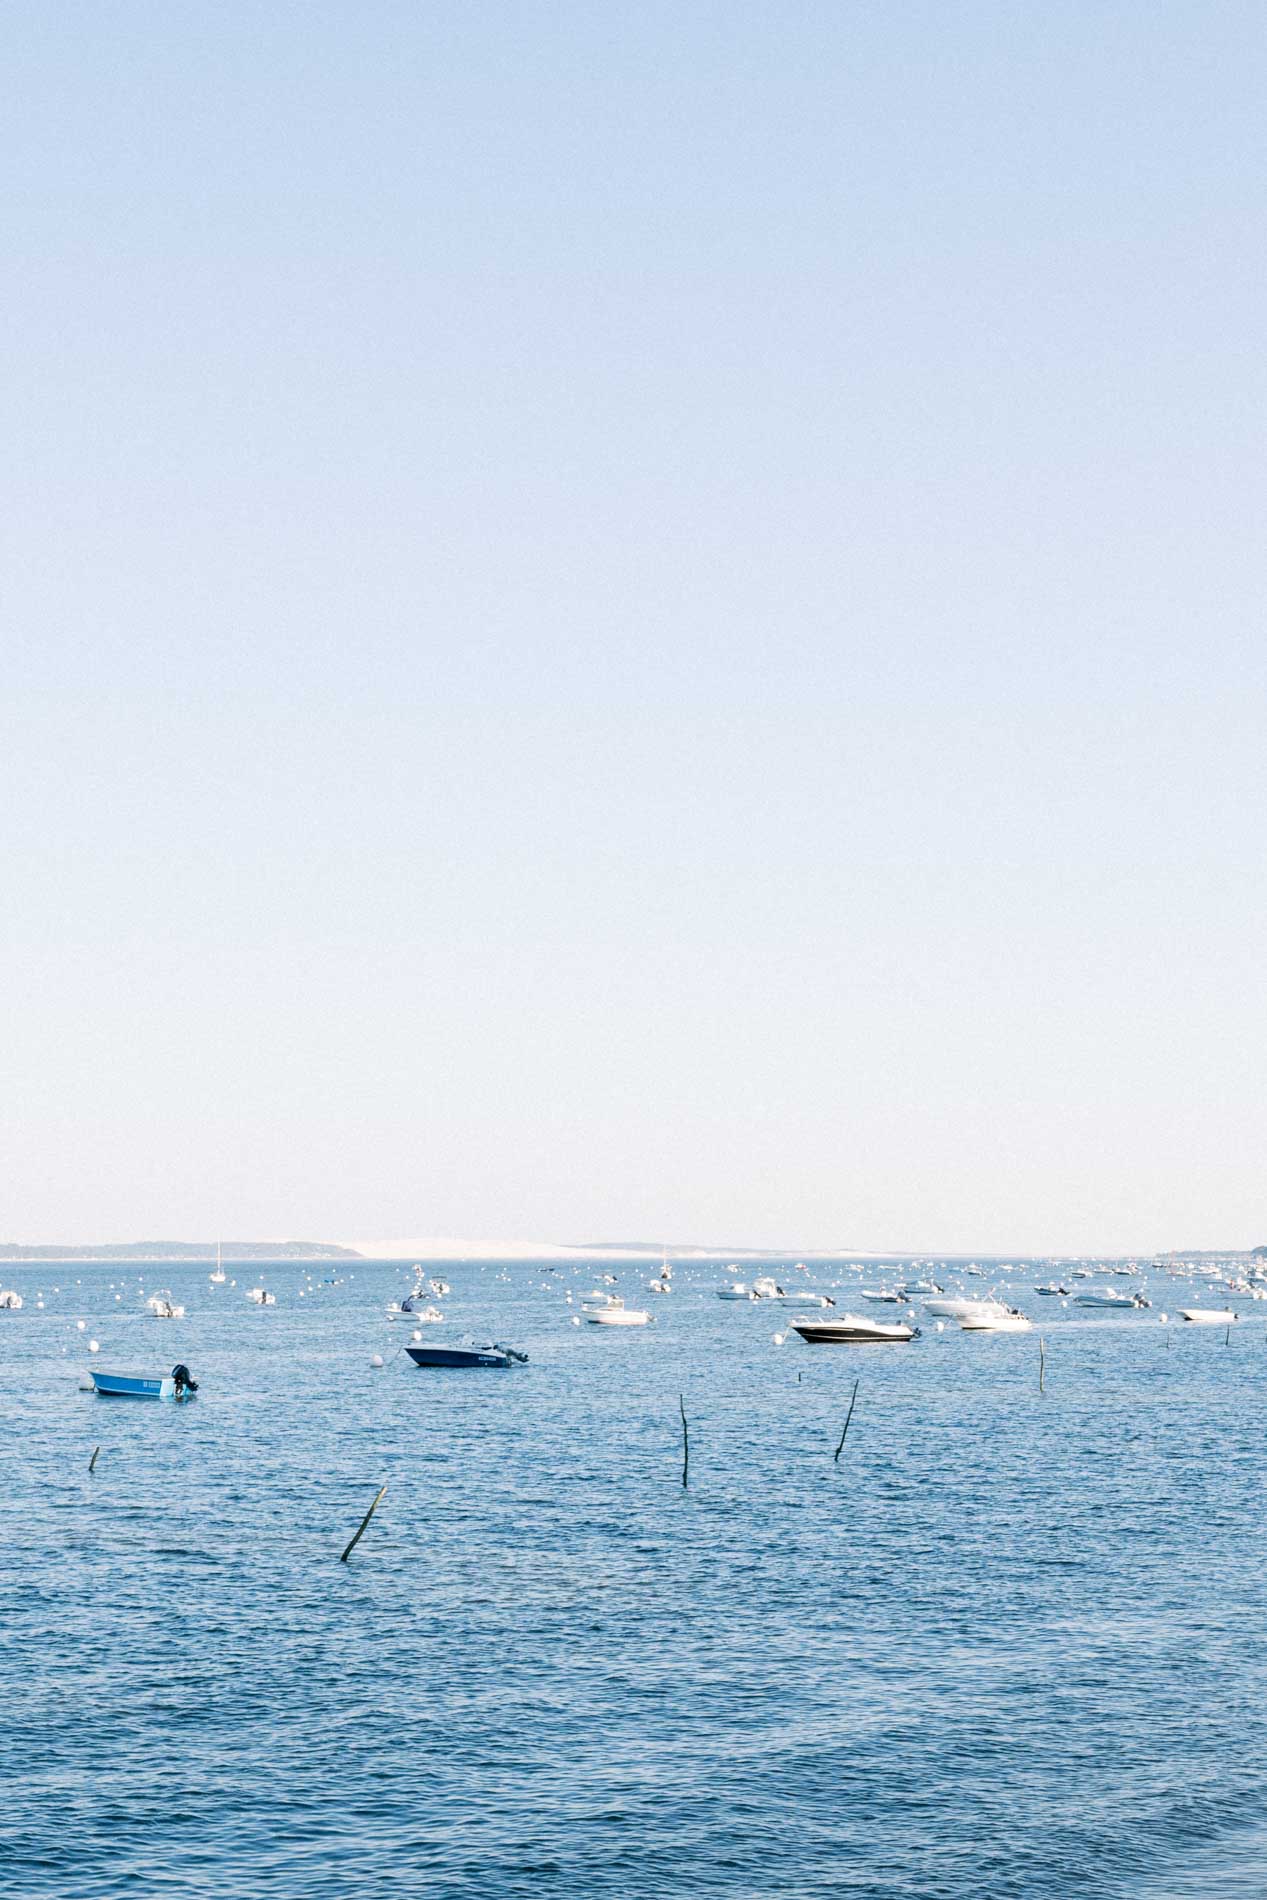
[[1008, 1645]]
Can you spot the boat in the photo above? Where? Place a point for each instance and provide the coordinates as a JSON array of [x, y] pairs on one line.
[[1052, 1286], [884, 1296], [612, 1311], [849, 1329], [999, 1319], [175, 1385], [769, 1289], [10, 1302], [416, 1307], [259, 1297], [920, 1287], [217, 1278], [1209, 1315], [159, 1306], [959, 1308], [1111, 1299], [737, 1290], [467, 1352]]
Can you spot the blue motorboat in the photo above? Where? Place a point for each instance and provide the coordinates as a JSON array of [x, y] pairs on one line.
[[467, 1353], [175, 1385]]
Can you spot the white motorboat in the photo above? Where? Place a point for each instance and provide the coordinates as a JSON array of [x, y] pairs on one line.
[[1001, 1319], [958, 1308], [416, 1315], [883, 1296], [850, 1329], [1053, 1286], [1209, 1315], [769, 1289], [920, 1287], [258, 1297], [10, 1302], [160, 1306], [737, 1290], [659, 1286], [612, 1311], [1107, 1297]]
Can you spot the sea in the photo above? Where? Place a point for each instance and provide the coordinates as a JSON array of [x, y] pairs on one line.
[[1004, 1641]]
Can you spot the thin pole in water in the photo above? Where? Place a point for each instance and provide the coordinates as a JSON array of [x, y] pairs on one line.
[[1227, 1337], [1042, 1364], [364, 1521], [852, 1402], [92, 1461], [686, 1443]]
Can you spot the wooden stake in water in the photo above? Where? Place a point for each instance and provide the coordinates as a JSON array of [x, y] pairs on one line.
[[1042, 1363], [93, 1460], [364, 1521], [852, 1402], [686, 1443]]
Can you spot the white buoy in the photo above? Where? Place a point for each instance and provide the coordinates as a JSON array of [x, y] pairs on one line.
[[93, 1346], [377, 1361], [80, 1324], [778, 1338], [941, 1326]]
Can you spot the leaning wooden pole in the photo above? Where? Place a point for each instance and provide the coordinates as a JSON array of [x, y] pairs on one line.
[[92, 1462], [686, 1443], [852, 1402], [1042, 1364], [361, 1532]]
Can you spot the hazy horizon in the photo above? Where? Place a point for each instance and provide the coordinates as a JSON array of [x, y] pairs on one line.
[[641, 623]]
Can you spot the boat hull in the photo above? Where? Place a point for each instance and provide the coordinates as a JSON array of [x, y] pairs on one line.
[[439, 1357], [825, 1335], [137, 1385]]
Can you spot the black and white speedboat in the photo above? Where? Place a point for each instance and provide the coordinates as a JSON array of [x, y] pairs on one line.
[[851, 1330], [467, 1352]]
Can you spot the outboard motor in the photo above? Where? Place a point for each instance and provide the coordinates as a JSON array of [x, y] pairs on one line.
[[185, 1382]]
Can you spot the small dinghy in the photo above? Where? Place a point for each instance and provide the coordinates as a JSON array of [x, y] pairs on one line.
[[10, 1302], [258, 1297], [737, 1290], [1209, 1315], [467, 1353], [177, 1385], [1111, 1299], [851, 1330], [1051, 1288]]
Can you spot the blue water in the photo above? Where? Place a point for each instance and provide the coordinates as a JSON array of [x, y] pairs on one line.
[[1009, 1645]]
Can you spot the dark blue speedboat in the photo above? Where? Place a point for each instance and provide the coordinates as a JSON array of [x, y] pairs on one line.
[[466, 1354]]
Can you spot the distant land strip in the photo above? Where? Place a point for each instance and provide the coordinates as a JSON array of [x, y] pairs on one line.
[[184, 1250]]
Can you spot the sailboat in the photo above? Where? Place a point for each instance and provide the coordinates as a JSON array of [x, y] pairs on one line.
[[217, 1278]]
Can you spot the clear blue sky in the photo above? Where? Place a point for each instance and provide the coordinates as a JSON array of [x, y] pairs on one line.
[[634, 622]]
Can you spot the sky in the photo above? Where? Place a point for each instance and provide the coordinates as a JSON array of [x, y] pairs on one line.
[[634, 623]]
